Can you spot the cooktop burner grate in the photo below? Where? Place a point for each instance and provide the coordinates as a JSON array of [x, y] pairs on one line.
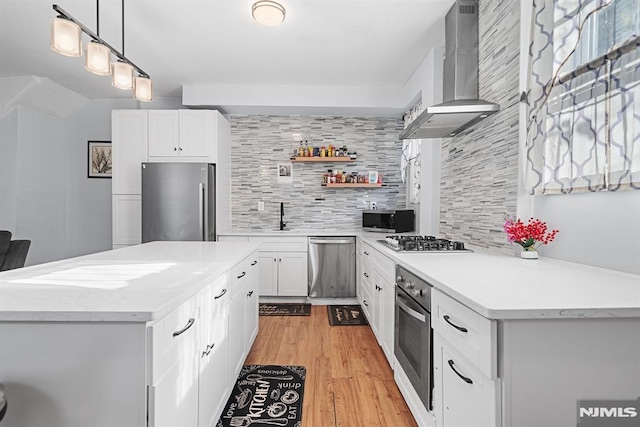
[[422, 244]]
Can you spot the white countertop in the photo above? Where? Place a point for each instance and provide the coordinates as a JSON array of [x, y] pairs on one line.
[[508, 287], [300, 232], [134, 284]]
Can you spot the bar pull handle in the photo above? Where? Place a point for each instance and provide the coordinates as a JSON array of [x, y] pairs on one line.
[[201, 208], [364, 301], [189, 324], [465, 379], [460, 328], [224, 291], [254, 263], [366, 253], [242, 275]]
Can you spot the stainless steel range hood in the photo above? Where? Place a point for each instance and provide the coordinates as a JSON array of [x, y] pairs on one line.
[[461, 107]]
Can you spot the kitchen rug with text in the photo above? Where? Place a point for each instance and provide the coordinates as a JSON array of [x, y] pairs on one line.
[[346, 315], [284, 309], [266, 395]]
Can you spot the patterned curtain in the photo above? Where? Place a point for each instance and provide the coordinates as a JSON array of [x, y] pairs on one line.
[[583, 129]]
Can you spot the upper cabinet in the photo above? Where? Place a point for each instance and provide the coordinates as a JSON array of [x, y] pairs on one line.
[[129, 133], [187, 134]]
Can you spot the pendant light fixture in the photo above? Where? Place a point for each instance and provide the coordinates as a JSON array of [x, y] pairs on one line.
[[97, 55], [66, 39], [268, 12]]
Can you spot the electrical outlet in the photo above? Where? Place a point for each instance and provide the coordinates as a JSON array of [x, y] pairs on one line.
[[260, 206], [372, 205]]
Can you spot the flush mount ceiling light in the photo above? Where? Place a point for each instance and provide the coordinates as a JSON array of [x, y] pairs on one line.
[[268, 12], [66, 39]]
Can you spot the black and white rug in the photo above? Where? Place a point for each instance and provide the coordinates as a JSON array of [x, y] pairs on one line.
[[266, 395], [285, 309], [346, 315]]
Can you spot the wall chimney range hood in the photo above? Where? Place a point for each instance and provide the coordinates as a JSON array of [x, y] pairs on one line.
[[461, 107]]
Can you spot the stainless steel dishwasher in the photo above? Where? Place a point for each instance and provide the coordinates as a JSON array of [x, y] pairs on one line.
[[332, 267]]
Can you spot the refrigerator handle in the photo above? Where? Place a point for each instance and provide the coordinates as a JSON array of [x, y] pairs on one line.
[[201, 210]]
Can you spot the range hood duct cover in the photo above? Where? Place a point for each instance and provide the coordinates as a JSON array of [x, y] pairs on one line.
[[461, 107]]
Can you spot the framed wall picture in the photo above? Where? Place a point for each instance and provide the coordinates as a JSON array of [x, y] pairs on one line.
[[285, 172], [100, 159]]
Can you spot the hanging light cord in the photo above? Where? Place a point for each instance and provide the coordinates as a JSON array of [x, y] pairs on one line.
[[93, 35]]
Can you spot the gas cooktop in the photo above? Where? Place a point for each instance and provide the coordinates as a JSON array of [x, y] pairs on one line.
[[422, 244]]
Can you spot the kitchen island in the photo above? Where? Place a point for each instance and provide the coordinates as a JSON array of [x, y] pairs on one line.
[[118, 338]]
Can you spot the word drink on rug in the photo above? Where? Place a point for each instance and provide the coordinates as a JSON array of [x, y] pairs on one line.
[[266, 395]]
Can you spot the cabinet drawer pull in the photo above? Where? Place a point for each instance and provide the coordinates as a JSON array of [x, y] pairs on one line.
[[366, 253], [465, 379], [224, 291], [365, 302], [366, 275], [175, 149], [189, 324], [207, 350], [242, 275], [460, 328], [254, 263]]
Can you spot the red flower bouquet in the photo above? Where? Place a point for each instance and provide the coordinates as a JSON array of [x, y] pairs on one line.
[[530, 234]]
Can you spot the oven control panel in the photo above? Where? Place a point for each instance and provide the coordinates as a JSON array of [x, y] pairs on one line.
[[418, 289]]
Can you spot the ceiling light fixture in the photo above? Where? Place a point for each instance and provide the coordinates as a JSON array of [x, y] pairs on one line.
[[268, 12], [66, 39]]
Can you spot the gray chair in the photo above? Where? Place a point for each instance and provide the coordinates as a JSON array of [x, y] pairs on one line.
[[13, 253]]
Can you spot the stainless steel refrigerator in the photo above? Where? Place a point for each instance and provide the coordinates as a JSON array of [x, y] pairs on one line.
[[178, 201]]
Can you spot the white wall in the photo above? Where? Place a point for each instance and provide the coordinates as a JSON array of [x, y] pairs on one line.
[[600, 229], [40, 191], [8, 158]]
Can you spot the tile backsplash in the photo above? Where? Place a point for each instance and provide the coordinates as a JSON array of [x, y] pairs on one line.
[[260, 142], [479, 178]]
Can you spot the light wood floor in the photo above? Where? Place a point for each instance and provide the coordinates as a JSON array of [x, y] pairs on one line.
[[349, 382]]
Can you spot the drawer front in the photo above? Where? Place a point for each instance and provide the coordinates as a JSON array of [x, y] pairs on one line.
[[280, 244], [385, 267], [367, 301], [241, 272], [469, 333]]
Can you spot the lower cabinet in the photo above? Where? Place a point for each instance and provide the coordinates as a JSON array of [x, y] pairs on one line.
[[283, 274], [214, 380]]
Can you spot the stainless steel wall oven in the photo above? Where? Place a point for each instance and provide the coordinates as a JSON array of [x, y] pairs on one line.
[[413, 333]]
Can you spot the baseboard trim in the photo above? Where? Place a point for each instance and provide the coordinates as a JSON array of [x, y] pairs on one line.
[[423, 417]]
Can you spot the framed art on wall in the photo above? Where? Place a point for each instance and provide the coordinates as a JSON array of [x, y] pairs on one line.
[[100, 159]]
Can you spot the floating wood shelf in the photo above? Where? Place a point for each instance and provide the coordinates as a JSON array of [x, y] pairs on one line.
[[323, 159], [351, 185]]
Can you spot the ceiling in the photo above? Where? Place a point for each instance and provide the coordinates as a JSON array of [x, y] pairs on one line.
[[377, 43]]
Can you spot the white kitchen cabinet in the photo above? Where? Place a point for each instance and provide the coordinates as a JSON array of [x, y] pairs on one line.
[[173, 392], [126, 228], [189, 135], [129, 135], [283, 273], [385, 306], [283, 265], [164, 133], [214, 381], [243, 318]]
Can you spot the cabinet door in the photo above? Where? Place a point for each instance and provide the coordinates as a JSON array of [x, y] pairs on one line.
[[214, 354], [196, 133], [268, 273], [388, 318], [467, 396], [251, 310], [376, 309], [129, 134], [292, 274], [127, 219], [163, 133], [237, 331], [173, 400]]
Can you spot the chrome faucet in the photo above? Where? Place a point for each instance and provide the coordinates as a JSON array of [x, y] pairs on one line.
[[282, 224]]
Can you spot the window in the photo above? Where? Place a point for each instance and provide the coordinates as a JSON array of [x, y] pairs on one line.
[[583, 130]]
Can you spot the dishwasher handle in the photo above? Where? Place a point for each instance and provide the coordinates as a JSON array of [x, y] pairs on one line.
[[327, 241]]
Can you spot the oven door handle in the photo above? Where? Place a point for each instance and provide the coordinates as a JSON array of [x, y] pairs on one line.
[[411, 312]]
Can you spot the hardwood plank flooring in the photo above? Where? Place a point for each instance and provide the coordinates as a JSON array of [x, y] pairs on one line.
[[349, 382]]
